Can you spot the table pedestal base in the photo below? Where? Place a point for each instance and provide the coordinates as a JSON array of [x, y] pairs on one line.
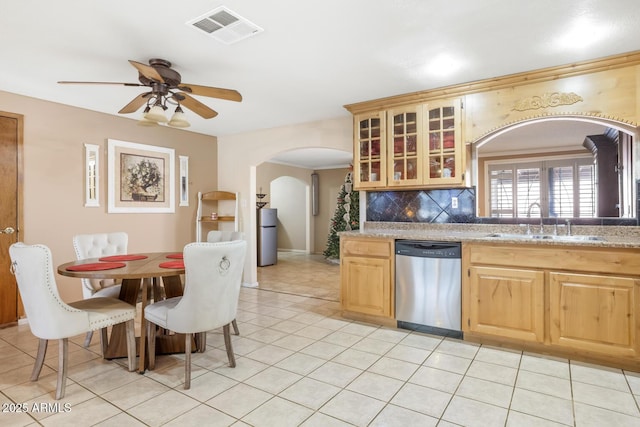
[[165, 343]]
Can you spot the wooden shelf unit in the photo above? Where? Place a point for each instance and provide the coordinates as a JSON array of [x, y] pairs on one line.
[[212, 200]]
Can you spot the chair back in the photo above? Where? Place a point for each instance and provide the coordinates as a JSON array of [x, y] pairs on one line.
[[224, 236], [95, 246], [49, 317], [213, 275]]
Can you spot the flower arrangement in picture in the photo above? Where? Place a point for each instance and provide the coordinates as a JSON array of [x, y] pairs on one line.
[[143, 180]]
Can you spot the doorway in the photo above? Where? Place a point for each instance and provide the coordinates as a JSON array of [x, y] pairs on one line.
[[11, 134]]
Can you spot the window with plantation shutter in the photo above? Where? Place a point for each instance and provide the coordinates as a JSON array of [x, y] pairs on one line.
[[562, 187]]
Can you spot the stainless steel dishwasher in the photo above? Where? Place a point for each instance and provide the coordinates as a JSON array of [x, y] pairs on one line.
[[428, 287]]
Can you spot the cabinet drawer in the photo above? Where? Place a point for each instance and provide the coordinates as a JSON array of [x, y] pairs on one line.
[[572, 258], [367, 247]]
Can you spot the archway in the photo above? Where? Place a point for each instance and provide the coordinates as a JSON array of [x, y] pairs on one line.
[[556, 136], [240, 154]]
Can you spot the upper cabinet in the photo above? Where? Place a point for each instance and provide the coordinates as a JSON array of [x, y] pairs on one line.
[[369, 151], [422, 146], [405, 146], [444, 154]]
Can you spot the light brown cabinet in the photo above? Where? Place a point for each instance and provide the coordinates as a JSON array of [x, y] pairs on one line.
[[366, 276], [563, 300], [444, 162], [411, 146], [370, 151], [594, 313], [405, 146], [507, 302]]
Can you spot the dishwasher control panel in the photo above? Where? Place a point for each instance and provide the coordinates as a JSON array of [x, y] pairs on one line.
[[428, 249]]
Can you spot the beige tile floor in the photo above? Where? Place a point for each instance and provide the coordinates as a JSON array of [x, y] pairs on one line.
[[299, 363], [302, 274]]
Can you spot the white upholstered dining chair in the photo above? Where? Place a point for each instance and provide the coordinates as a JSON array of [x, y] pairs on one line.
[[214, 236], [95, 246], [213, 275], [51, 318], [224, 236]]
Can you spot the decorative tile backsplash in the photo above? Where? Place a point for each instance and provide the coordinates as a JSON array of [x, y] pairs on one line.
[[435, 206], [424, 206]]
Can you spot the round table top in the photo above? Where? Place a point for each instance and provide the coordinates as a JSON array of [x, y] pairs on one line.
[[133, 269]]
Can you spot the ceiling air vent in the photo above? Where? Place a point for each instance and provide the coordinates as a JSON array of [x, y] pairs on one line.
[[225, 25]]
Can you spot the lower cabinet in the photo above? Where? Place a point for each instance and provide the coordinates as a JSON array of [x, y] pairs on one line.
[[594, 313], [507, 302], [568, 301], [366, 271]]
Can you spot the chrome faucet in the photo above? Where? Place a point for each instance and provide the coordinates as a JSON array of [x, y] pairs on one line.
[[541, 218], [568, 221]]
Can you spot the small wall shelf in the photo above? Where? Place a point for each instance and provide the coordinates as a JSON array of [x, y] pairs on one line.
[[213, 201]]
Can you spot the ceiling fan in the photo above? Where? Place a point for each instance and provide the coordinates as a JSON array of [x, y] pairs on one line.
[[166, 87]]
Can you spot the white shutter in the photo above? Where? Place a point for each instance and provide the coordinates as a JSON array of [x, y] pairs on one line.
[[564, 188]]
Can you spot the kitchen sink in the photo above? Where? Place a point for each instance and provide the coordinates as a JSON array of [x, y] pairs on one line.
[[561, 238]]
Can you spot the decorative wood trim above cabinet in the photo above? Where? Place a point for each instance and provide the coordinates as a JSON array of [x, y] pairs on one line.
[[537, 76]]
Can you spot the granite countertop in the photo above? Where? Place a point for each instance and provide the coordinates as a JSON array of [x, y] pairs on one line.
[[609, 236]]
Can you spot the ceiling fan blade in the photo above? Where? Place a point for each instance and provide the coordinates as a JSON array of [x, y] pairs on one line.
[[66, 82], [213, 92], [135, 103], [194, 105], [148, 71]]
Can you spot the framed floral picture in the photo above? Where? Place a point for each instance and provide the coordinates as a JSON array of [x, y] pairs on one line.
[[141, 178]]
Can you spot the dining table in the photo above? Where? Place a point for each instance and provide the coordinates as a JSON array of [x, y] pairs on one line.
[[156, 276]]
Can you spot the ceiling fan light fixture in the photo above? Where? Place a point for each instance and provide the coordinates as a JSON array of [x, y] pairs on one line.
[[179, 119], [144, 121], [156, 114]]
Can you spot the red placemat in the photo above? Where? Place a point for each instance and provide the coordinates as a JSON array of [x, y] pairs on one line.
[[122, 257], [172, 264], [176, 256], [96, 266]]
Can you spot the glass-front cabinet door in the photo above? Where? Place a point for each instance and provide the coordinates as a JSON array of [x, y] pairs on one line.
[[370, 151], [404, 146], [443, 143]]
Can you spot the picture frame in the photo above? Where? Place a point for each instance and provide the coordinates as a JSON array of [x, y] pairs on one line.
[[184, 181], [141, 178]]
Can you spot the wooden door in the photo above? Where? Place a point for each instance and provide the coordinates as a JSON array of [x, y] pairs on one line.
[[370, 153], [507, 302], [366, 285], [595, 313], [443, 164], [11, 126], [404, 146]]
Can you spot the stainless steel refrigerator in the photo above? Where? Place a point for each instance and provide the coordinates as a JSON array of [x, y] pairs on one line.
[[267, 237]]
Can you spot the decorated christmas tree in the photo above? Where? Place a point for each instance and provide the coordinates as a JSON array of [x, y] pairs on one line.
[[345, 218]]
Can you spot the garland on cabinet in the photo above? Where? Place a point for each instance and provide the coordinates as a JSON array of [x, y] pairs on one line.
[[345, 218]]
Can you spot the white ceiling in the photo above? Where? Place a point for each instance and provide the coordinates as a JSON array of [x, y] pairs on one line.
[[312, 58], [314, 158]]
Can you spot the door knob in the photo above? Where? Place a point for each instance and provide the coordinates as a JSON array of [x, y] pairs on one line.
[[8, 230]]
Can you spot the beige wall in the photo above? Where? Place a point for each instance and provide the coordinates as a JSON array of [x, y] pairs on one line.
[[54, 138], [239, 155]]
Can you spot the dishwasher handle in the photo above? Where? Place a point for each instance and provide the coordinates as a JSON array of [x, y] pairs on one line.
[[433, 246]]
